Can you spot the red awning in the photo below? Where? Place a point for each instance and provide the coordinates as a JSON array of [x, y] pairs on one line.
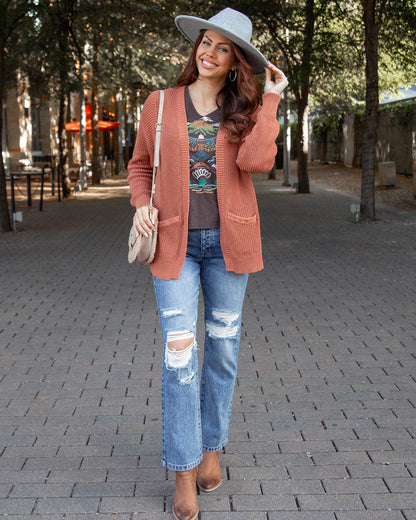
[[73, 126]]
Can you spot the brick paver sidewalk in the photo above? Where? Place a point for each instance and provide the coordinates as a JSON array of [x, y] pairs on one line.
[[324, 418]]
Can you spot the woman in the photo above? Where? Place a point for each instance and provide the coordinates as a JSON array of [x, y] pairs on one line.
[[214, 132]]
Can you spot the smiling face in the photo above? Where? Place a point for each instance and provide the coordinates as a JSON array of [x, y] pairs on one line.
[[215, 56]]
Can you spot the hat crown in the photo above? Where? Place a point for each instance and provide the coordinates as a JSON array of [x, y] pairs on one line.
[[233, 22]]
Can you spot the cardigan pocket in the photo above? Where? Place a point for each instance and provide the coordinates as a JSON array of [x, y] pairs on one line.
[[169, 238], [169, 221], [242, 234], [241, 220]]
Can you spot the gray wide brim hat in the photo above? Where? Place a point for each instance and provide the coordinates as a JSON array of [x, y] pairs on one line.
[[230, 23]]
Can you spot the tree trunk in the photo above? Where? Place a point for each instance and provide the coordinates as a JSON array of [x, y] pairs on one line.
[[367, 206], [95, 163], [302, 100], [5, 224], [95, 159], [302, 147], [62, 171]]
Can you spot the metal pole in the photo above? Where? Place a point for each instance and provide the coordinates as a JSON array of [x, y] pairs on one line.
[[82, 142], [286, 130], [286, 139], [120, 132]]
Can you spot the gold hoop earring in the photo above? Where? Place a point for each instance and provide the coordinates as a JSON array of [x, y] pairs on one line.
[[232, 77]]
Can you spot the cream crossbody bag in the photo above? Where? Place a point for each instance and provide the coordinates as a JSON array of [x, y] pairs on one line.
[[142, 249]]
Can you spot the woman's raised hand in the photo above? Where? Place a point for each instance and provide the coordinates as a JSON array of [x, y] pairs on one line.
[[279, 84], [144, 221]]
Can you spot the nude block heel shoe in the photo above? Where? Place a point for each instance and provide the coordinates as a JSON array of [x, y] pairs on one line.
[[185, 503], [209, 472]]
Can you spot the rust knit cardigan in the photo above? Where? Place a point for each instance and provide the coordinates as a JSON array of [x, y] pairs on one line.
[[237, 204]]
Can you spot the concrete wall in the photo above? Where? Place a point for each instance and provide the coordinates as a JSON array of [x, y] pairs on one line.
[[394, 140], [18, 124], [30, 127], [327, 147]]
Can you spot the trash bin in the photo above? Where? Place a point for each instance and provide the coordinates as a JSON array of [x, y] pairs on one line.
[[278, 162], [387, 173]]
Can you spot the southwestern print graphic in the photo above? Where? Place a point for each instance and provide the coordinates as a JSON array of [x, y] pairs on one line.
[[202, 141]]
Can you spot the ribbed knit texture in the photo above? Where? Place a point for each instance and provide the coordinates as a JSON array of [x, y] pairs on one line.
[[237, 204]]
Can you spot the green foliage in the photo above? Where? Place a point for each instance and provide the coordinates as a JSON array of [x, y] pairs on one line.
[[17, 22], [327, 124], [318, 43], [403, 110]]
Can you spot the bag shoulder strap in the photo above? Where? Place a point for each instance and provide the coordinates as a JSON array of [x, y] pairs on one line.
[[156, 157]]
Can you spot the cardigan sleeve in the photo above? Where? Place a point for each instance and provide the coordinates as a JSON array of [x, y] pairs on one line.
[[257, 150], [140, 167]]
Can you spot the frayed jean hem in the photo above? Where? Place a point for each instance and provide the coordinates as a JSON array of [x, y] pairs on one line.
[[217, 448], [181, 467]]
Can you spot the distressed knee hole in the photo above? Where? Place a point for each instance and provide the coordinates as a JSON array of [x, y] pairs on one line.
[[227, 328], [226, 317], [170, 313], [179, 349]]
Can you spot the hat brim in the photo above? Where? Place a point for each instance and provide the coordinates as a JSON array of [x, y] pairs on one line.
[[191, 26]]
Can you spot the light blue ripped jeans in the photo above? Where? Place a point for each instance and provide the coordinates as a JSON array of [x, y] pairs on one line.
[[196, 417]]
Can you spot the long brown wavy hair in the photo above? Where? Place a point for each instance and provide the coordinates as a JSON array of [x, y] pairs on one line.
[[237, 100]]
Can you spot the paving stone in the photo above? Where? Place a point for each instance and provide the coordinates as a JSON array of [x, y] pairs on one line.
[[257, 473], [317, 472], [11, 464], [391, 457], [155, 474], [409, 514], [370, 515], [16, 506], [233, 515], [377, 470], [118, 505], [103, 489], [99, 516], [323, 424], [34, 517], [392, 501], [264, 503], [66, 505], [85, 451], [41, 490], [336, 502], [292, 487], [404, 485], [56, 476], [283, 459], [354, 486], [301, 515], [214, 502], [344, 458], [5, 490], [41, 463], [23, 476], [383, 433]]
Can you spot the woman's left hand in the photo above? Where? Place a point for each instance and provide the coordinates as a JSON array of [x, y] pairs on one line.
[[279, 84]]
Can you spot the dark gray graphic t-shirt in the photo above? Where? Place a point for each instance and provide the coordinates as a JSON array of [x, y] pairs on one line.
[[202, 130]]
